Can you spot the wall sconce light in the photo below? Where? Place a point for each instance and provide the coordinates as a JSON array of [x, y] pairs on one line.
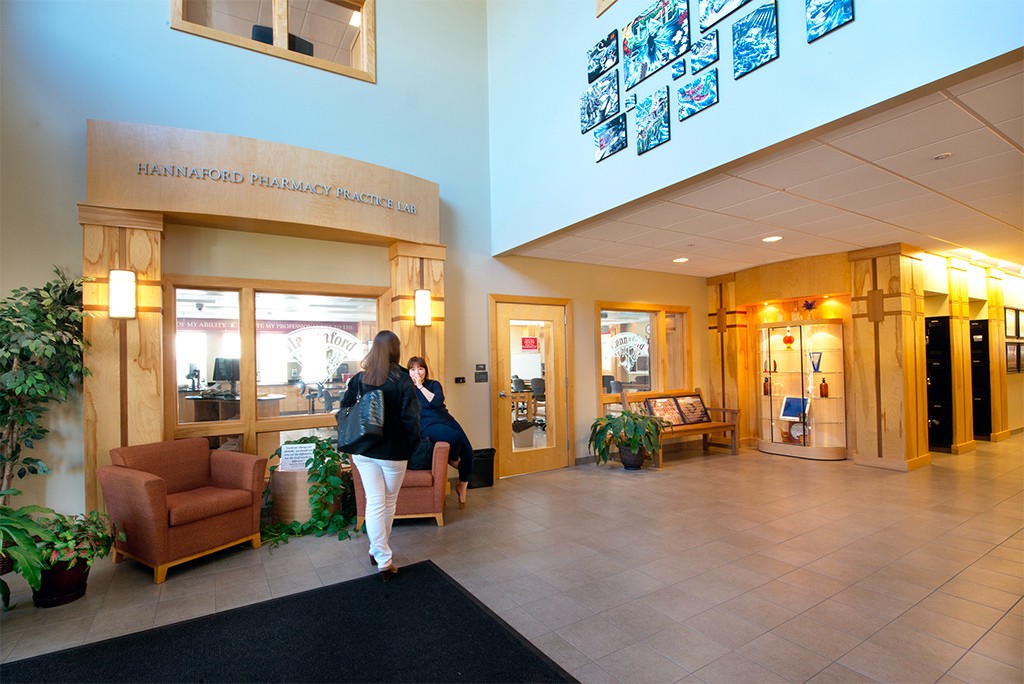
[[121, 294], [422, 308]]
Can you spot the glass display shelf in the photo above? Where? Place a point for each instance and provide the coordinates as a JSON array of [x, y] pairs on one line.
[[802, 410]]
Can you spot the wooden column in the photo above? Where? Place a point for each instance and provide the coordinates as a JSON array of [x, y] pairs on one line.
[[123, 395], [728, 354], [997, 355], [960, 357], [888, 374], [414, 267]]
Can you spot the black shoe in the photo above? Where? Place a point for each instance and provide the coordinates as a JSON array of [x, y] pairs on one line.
[[388, 573]]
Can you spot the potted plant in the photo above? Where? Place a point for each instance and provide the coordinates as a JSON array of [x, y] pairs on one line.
[[332, 502], [41, 347], [78, 541], [636, 435], [21, 552]]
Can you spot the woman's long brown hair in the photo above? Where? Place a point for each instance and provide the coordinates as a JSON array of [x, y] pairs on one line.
[[385, 351]]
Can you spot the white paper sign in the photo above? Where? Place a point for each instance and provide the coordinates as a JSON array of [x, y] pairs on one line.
[[294, 456]]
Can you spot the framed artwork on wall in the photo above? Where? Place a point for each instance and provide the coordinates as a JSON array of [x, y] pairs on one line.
[[629, 102], [704, 52], [713, 11], [656, 37], [609, 138], [755, 40], [652, 125], [603, 56], [1012, 328], [600, 101], [1013, 357], [698, 94], [678, 68], [825, 16]]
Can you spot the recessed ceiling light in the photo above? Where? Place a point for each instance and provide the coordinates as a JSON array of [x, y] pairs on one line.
[[772, 238], [680, 260], [942, 155], [355, 20]]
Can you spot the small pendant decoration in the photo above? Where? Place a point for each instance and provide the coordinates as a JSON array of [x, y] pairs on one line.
[[788, 340]]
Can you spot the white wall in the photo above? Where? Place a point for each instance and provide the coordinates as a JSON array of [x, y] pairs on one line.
[[548, 180], [66, 61]]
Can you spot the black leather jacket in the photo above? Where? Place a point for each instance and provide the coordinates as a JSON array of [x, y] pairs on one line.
[[401, 417]]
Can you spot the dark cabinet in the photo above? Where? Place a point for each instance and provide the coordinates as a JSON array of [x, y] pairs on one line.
[[981, 380], [939, 369]]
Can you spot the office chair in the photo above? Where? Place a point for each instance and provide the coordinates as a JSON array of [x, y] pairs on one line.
[[326, 397], [615, 386], [537, 388]]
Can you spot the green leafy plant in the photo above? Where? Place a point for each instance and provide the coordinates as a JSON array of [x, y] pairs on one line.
[[332, 499], [81, 537], [41, 348], [636, 432], [19, 532]]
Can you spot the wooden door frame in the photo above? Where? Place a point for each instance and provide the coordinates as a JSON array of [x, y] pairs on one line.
[[566, 304]]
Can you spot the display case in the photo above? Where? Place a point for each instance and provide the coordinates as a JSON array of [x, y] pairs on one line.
[[802, 407]]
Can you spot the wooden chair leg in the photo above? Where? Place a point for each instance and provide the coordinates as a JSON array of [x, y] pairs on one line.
[[160, 574], [256, 541], [440, 519], [116, 556]]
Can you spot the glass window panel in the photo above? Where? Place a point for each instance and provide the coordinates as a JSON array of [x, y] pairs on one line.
[[626, 350], [308, 346], [207, 351], [675, 357], [530, 355], [325, 29]]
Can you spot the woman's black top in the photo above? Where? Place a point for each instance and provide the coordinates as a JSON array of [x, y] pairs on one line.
[[401, 417], [434, 411]]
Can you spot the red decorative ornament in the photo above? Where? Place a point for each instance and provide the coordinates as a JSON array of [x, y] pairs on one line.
[[788, 340]]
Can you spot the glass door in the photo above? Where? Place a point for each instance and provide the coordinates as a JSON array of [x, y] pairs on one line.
[[530, 388]]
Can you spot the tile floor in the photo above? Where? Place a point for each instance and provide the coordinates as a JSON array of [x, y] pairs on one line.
[[717, 568]]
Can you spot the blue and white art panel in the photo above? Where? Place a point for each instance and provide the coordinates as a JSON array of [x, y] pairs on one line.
[[600, 101], [610, 138], [655, 38], [629, 102], [704, 52], [827, 15], [603, 56], [652, 125], [713, 11], [755, 40], [678, 69], [698, 94]]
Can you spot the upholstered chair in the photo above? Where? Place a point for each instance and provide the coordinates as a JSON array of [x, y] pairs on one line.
[[179, 500], [422, 493]]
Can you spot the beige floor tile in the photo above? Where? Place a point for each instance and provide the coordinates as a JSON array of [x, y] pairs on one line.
[[557, 611], [724, 627], [838, 674], [884, 665], [595, 637], [1010, 625], [783, 657], [686, 647], [817, 637], [758, 611], [846, 618], [1005, 649], [979, 593], [733, 668], [560, 650], [641, 663], [962, 609], [185, 608], [975, 667], [637, 618], [592, 673], [927, 649]]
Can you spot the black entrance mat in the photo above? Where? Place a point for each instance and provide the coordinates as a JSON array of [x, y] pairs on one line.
[[420, 627]]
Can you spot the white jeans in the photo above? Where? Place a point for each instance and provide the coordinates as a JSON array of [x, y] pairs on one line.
[[381, 482]]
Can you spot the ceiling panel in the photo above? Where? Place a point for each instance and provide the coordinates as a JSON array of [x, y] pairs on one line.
[[862, 183]]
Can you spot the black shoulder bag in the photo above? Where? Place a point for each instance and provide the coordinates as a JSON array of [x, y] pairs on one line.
[[365, 418]]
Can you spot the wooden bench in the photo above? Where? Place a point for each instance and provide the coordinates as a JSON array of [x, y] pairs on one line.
[[722, 420]]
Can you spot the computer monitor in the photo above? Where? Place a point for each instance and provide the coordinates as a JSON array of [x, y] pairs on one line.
[[794, 408], [226, 370]]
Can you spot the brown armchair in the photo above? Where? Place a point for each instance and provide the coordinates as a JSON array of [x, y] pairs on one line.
[[179, 500], [422, 493]]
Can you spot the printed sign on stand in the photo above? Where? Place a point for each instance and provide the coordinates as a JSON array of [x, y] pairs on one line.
[[294, 456]]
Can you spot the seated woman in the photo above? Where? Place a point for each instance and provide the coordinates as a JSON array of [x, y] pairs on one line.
[[439, 426]]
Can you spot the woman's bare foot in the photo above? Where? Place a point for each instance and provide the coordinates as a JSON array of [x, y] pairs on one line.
[[460, 491]]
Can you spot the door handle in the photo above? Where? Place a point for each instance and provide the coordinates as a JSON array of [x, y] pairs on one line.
[[502, 395]]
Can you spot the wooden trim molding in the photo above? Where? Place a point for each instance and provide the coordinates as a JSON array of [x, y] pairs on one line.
[[119, 218]]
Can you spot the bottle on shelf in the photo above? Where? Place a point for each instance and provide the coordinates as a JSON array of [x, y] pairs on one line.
[[823, 389], [767, 386]]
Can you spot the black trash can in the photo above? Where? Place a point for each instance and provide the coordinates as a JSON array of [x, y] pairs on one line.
[[483, 469]]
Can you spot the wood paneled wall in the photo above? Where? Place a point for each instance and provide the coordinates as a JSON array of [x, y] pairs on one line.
[[729, 355], [960, 344], [997, 355], [888, 377], [414, 267], [123, 394]]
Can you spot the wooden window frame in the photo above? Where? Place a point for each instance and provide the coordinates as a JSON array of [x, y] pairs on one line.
[[367, 38], [248, 425], [662, 310]]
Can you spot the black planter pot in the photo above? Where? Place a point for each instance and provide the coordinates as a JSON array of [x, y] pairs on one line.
[[632, 460], [61, 584]]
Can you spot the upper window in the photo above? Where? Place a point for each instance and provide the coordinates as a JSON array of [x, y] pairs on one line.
[[335, 35]]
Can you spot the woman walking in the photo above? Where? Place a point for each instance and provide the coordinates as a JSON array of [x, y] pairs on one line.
[[381, 460]]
